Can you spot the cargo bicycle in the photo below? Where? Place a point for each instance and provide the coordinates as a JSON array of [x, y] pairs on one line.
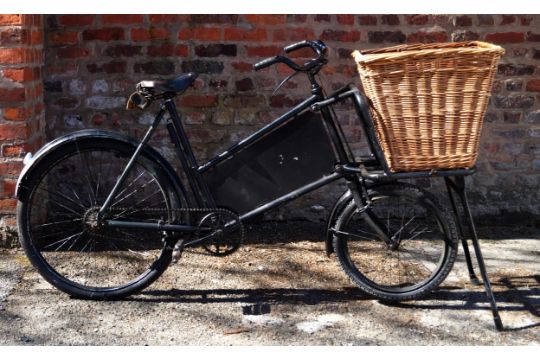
[[102, 215]]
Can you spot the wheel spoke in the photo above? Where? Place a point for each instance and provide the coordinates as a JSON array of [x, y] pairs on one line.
[[62, 221], [423, 251]]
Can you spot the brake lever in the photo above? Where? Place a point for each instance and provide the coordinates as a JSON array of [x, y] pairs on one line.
[[284, 81]]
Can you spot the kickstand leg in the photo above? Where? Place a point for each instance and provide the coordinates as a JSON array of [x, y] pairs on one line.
[[459, 187]]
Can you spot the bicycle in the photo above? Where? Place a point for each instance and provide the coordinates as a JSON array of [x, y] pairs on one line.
[[117, 212]]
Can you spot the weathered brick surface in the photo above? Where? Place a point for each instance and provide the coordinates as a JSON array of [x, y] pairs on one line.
[[92, 63], [21, 104], [231, 100]]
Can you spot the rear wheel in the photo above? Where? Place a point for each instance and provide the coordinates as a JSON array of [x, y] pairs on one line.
[[59, 230], [423, 250]]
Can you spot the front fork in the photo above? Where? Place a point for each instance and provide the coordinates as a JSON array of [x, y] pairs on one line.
[[363, 203]]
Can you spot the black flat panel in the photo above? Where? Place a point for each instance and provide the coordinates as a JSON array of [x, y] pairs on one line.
[[296, 154]]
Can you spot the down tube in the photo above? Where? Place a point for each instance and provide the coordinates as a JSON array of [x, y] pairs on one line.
[[325, 180]]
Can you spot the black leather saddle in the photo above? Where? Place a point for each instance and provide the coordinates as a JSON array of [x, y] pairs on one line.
[[176, 85]]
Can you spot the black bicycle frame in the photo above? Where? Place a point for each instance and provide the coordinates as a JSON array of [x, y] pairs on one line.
[[345, 166]]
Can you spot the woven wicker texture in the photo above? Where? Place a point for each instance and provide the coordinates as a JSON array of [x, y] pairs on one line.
[[428, 101]]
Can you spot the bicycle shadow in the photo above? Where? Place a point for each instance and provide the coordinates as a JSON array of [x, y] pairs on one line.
[[258, 301]]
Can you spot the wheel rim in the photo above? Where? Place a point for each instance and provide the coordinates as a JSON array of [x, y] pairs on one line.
[[62, 221], [418, 258]]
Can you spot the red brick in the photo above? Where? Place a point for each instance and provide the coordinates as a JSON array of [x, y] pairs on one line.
[[390, 20], [13, 132], [8, 206], [72, 53], [9, 188], [340, 35], [322, 18], [214, 18], [236, 34], [367, 20], [144, 34], [16, 114], [20, 74], [121, 19], [215, 50], [167, 18], [36, 37], [11, 168], [526, 20], [266, 19], [76, 20], [113, 67], [280, 101], [10, 19], [345, 19], [427, 37], [203, 34], [508, 19], [260, 51], [533, 85], [243, 66], [199, 101], [62, 68], [123, 50], [297, 18], [181, 50], [13, 36], [463, 20], [63, 37], [104, 34], [244, 85], [506, 37], [13, 55], [533, 37], [161, 50], [98, 119], [417, 19], [12, 95], [293, 34]]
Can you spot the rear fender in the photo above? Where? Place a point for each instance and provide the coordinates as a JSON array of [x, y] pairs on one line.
[[31, 162]]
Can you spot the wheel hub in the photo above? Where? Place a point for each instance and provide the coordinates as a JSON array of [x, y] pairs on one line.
[[91, 219]]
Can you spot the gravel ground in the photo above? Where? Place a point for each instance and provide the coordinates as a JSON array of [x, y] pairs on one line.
[[279, 293]]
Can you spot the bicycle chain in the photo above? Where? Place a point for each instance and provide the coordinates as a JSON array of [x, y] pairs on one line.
[[202, 210]]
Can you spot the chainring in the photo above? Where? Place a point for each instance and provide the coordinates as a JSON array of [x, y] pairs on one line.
[[223, 231]]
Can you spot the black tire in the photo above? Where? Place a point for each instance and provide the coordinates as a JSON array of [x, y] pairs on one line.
[[427, 243], [56, 212]]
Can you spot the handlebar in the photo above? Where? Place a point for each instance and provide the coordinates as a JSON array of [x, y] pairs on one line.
[[317, 46]]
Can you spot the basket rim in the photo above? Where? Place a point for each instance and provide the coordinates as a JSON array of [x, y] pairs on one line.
[[408, 51]]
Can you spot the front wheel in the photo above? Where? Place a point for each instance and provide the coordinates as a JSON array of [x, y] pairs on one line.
[[59, 228], [423, 248]]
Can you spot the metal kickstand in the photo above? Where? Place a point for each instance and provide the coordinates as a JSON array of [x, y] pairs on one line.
[[458, 186]]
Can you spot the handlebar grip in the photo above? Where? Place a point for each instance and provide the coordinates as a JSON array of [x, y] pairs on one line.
[[296, 46], [265, 63]]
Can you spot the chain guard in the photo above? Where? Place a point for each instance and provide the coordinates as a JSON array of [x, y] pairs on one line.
[[220, 241]]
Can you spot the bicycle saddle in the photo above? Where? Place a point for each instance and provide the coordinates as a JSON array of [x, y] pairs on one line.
[[176, 85]]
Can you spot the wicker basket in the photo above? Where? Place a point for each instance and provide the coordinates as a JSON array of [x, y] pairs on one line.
[[428, 101]]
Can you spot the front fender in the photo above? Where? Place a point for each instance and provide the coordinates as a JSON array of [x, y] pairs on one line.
[[336, 210], [31, 162]]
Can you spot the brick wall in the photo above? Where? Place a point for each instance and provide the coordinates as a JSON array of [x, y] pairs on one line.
[[21, 106], [93, 61]]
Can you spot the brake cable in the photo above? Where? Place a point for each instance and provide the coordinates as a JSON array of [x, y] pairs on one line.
[[285, 80]]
